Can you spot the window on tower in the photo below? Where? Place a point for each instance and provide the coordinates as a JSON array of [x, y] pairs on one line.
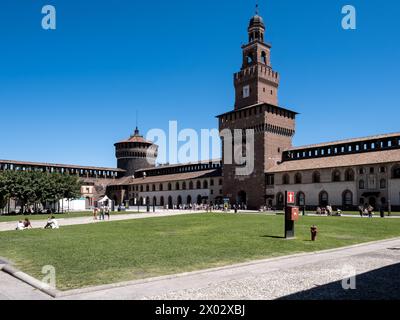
[[264, 57], [249, 58], [246, 91]]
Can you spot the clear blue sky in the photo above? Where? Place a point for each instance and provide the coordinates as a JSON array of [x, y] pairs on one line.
[[67, 95]]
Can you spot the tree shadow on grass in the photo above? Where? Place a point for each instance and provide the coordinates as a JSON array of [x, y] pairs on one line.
[[379, 284]]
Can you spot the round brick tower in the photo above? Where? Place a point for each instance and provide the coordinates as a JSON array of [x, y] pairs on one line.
[[135, 153]]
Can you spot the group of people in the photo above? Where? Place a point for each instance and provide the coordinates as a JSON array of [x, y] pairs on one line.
[[196, 207], [23, 224], [366, 210], [51, 223], [100, 213], [325, 210]]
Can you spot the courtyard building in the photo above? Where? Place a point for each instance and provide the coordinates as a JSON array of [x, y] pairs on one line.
[[344, 174]]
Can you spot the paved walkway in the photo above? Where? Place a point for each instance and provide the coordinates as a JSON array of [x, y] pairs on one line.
[[14, 289], [36, 224], [266, 279]]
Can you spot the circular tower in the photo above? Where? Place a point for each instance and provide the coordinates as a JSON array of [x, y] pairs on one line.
[[135, 153]]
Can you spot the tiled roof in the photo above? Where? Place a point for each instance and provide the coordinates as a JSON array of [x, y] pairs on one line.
[[257, 105], [326, 144], [168, 177], [56, 165], [357, 159], [177, 165], [136, 139]]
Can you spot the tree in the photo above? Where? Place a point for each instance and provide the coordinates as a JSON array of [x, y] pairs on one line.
[[37, 188]]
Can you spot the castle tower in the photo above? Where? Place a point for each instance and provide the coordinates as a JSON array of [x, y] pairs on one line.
[[256, 82], [135, 153], [256, 108]]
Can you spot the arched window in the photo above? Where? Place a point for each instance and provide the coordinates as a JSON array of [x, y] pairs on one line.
[[336, 176], [205, 184], [141, 188], [154, 201], [297, 178], [301, 199], [264, 57], [347, 198], [179, 200], [169, 186], [349, 175], [170, 205], [280, 199], [177, 186], [249, 58], [199, 199], [198, 185], [396, 172], [162, 201], [361, 184], [141, 201], [147, 201], [323, 199], [191, 185], [153, 187], [147, 188], [220, 182], [316, 177], [383, 183], [286, 179], [188, 199], [184, 185]]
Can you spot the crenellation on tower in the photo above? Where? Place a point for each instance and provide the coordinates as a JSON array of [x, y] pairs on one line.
[[135, 153]]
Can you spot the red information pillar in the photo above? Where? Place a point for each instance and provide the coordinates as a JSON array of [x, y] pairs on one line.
[[291, 214]]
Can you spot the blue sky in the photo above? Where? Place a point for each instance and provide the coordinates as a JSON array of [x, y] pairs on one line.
[[68, 95]]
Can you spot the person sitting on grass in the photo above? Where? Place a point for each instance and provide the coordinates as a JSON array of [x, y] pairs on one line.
[[52, 223], [27, 223], [20, 225]]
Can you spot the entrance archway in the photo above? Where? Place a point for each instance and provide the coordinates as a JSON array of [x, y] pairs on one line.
[[372, 202], [179, 201], [242, 197], [170, 202]]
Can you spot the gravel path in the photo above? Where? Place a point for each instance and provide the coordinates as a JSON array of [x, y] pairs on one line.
[[37, 224]]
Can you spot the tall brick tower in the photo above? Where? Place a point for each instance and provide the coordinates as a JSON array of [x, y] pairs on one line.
[[256, 108], [256, 82]]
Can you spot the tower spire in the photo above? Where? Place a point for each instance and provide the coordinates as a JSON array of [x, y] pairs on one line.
[[137, 129], [257, 9]]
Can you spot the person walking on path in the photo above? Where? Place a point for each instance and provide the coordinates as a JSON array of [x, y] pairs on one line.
[[107, 212], [102, 213], [95, 210]]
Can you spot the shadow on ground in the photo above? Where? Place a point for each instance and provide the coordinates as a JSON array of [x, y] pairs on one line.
[[379, 284], [272, 237]]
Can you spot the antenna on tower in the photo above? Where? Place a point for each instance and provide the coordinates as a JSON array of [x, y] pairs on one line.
[[257, 11]]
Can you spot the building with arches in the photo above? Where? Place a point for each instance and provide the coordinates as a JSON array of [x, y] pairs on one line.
[[343, 174]]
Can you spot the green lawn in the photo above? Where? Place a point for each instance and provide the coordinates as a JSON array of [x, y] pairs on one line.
[[104, 253], [16, 218]]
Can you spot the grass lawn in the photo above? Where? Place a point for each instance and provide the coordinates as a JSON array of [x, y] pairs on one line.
[[104, 253], [16, 218]]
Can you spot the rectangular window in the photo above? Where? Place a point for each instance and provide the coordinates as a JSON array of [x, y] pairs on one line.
[[246, 91]]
